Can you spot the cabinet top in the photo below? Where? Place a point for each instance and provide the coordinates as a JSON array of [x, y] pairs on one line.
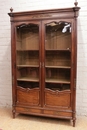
[[73, 9], [45, 14]]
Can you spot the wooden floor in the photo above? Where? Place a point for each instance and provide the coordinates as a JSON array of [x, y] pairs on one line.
[[26, 122]]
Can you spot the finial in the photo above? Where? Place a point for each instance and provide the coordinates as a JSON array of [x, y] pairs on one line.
[[11, 9], [75, 3]]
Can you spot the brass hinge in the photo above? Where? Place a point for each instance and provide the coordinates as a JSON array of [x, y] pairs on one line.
[[74, 83], [72, 65], [15, 65], [40, 64], [12, 80]]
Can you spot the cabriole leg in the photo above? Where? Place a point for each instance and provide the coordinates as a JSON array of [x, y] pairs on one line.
[[13, 111]]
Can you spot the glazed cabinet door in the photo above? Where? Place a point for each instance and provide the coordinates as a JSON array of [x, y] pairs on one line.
[[58, 63], [28, 74]]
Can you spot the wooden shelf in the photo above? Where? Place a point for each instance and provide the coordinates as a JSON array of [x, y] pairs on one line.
[[58, 50], [22, 66], [47, 66], [27, 50], [28, 79], [65, 81], [63, 67]]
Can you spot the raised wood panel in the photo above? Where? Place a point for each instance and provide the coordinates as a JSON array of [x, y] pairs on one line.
[[28, 96], [58, 113], [44, 112], [57, 99], [28, 110]]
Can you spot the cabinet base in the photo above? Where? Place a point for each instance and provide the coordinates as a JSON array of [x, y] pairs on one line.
[[45, 113]]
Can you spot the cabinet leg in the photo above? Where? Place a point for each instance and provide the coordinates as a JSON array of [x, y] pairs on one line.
[[13, 111], [74, 122]]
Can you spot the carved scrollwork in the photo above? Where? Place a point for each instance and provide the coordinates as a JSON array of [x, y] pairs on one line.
[[41, 16]]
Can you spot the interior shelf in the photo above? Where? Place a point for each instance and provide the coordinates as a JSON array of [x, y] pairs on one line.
[[64, 67], [65, 81], [28, 79], [21, 66], [27, 50], [58, 50]]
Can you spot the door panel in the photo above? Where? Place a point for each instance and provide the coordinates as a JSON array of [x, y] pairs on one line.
[[28, 96], [28, 58], [58, 63], [57, 99]]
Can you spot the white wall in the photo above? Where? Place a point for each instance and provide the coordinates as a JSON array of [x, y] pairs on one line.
[[5, 46]]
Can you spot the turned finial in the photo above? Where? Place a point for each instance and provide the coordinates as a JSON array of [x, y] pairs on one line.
[[75, 3], [11, 9]]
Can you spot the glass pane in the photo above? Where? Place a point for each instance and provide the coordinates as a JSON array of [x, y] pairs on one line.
[[27, 74], [28, 37], [56, 86], [27, 55], [58, 36], [55, 75], [57, 59], [58, 56], [30, 85], [28, 58]]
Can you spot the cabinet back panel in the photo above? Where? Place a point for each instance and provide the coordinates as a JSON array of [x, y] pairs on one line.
[[58, 40], [30, 85], [58, 58], [28, 72], [56, 86], [30, 41], [58, 74], [28, 58], [28, 38]]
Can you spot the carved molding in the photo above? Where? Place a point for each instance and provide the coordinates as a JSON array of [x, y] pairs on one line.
[[41, 16]]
